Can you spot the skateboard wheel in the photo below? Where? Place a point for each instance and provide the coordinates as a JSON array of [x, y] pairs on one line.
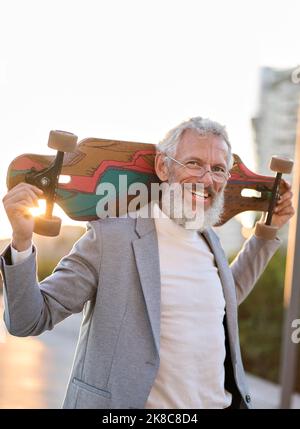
[[268, 232], [62, 141], [281, 165], [49, 227]]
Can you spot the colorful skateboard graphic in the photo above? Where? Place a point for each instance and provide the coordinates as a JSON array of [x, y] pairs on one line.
[[95, 161], [98, 161]]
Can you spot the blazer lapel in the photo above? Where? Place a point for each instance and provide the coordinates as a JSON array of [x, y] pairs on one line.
[[227, 285], [147, 261]]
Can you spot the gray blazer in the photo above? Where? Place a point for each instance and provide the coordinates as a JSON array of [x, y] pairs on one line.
[[113, 275]]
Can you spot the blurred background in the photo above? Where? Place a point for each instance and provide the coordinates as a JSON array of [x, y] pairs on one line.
[[131, 71]]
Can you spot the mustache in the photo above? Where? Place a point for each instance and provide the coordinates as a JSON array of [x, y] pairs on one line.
[[209, 189]]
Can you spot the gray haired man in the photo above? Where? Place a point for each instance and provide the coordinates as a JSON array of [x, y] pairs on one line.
[[159, 300]]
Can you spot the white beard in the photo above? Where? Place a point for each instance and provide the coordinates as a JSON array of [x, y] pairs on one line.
[[188, 219], [212, 215]]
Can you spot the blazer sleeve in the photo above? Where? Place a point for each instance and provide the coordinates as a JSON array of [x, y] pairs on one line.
[[31, 307], [250, 263]]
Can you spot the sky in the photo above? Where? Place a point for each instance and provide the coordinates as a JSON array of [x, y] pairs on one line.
[[133, 69]]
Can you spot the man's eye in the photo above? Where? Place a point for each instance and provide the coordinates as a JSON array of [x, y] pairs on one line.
[[218, 169], [192, 164]]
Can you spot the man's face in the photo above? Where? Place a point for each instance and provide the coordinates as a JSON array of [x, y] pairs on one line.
[[211, 152]]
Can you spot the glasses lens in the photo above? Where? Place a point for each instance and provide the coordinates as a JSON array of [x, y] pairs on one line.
[[217, 176]]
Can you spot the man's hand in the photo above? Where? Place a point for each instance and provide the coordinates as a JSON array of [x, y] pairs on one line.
[[284, 209], [17, 203]]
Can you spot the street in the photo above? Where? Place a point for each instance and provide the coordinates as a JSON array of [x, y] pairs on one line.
[[34, 371]]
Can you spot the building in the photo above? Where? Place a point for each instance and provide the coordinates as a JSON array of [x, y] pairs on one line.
[[276, 121]]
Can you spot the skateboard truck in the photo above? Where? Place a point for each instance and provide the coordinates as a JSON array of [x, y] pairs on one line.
[[280, 166], [47, 181]]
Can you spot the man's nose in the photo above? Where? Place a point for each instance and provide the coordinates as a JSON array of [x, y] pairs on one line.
[[207, 179]]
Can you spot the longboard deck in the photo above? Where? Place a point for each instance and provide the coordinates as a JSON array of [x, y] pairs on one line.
[[99, 161]]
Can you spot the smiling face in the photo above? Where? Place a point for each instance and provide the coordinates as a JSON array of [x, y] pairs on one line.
[[209, 151]]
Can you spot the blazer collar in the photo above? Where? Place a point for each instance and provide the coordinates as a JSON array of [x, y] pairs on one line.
[[147, 262], [144, 226], [228, 284]]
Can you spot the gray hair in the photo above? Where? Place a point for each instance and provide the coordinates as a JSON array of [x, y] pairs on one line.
[[203, 126]]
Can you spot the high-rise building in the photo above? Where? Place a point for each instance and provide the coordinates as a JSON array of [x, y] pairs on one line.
[[276, 121], [275, 124]]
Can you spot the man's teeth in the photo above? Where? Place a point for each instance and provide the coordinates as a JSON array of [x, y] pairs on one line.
[[201, 194]]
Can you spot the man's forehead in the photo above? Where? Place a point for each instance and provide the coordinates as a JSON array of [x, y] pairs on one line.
[[202, 144]]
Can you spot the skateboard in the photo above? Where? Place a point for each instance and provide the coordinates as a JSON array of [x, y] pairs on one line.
[[72, 176]]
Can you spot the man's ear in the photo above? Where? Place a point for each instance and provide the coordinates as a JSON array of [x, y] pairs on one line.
[[160, 167]]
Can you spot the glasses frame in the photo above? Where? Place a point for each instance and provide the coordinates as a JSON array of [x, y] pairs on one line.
[[228, 175]]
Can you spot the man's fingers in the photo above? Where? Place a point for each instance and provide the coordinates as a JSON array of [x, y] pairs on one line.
[[19, 203], [279, 207], [24, 187], [23, 192], [286, 211], [285, 196], [28, 196], [21, 208]]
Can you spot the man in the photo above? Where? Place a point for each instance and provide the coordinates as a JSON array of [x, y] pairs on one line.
[[159, 300]]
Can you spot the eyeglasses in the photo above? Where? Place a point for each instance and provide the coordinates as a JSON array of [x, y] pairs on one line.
[[195, 169]]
